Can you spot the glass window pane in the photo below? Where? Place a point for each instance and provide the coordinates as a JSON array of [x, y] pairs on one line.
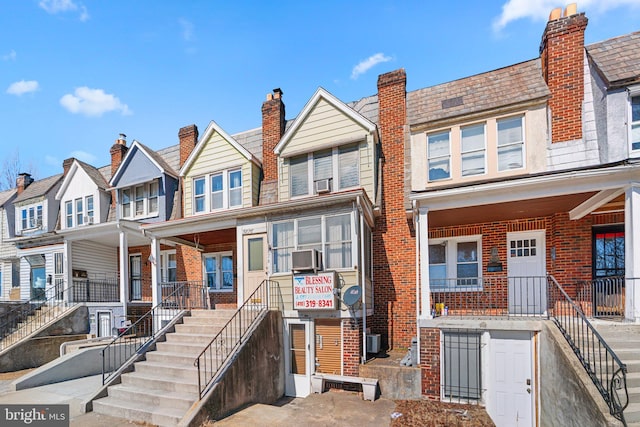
[[467, 252], [256, 254], [338, 228], [509, 131], [437, 254], [348, 166], [309, 231], [438, 144], [467, 270], [472, 138], [510, 157], [322, 165], [473, 163], [439, 169], [217, 200], [283, 234], [198, 187], [297, 344], [235, 179], [299, 175], [216, 182]]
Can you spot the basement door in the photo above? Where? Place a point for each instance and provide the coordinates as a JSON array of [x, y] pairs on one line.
[[104, 323], [328, 346], [511, 385], [297, 357], [526, 271]]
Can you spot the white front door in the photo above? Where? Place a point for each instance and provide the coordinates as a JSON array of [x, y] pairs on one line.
[[297, 357], [511, 388], [255, 263], [104, 323], [526, 271]]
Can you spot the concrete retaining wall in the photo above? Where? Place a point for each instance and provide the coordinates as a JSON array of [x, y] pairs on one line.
[[567, 394], [256, 376], [45, 345]]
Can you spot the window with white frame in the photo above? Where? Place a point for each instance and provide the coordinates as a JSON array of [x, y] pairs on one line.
[[635, 123], [219, 190], [329, 234], [140, 200], [473, 144], [461, 370], [455, 263], [31, 217], [439, 156], [510, 143], [338, 165], [79, 211], [168, 266], [218, 271]]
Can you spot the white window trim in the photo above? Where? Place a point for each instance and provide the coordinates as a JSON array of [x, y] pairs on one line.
[[132, 202], [448, 132], [31, 223], [634, 92], [323, 241], [483, 150], [164, 264], [452, 263], [74, 211], [523, 143], [335, 172], [226, 189], [485, 338], [218, 255]]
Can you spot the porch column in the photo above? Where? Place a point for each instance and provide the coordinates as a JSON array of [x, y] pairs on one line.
[[156, 292], [124, 271], [67, 272], [632, 252], [423, 263]]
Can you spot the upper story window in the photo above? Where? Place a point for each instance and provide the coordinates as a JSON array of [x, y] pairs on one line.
[[331, 235], [220, 190], [31, 217], [473, 149], [635, 123], [439, 155], [337, 165], [139, 201], [455, 263], [510, 143], [79, 211]]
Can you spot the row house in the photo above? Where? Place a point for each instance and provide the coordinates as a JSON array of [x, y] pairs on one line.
[[8, 258]]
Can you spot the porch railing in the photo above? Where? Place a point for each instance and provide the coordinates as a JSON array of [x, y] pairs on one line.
[[603, 366], [490, 296], [128, 344], [237, 330], [51, 304], [95, 290], [606, 295]]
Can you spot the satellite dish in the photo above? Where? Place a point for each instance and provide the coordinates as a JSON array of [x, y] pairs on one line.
[[352, 295]]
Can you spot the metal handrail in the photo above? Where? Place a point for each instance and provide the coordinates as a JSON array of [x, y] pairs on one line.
[[603, 366], [32, 315], [130, 341], [236, 331]]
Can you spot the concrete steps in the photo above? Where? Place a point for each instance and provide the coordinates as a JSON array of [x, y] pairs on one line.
[[624, 340], [163, 387]]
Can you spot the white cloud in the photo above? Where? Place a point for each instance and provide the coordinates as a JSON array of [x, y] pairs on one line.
[[22, 87], [368, 63], [84, 156], [93, 102], [11, 56], [187, 29], [539, 10], [59, 6]]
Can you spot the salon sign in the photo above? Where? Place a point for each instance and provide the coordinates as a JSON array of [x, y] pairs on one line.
[[314, 292]]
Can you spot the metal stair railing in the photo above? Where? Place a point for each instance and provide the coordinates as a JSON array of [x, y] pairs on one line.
[[603, 366], [32, 315], [176, 297], [235, 332]]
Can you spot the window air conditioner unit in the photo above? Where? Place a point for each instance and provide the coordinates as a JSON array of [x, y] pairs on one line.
[[306, 260], [88, 220], [323, 186]]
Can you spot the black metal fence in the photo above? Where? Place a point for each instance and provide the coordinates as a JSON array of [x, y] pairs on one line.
[[606, 296], [214, 356], [603, 366], [95, 290], [133, 340]]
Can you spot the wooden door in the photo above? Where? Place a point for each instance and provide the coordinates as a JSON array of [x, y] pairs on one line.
[[328, 346]]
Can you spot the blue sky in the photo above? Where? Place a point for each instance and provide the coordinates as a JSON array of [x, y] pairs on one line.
[[74, 74]]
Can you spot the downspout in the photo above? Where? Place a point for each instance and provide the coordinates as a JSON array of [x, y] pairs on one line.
[[363, 281], [416, 221]]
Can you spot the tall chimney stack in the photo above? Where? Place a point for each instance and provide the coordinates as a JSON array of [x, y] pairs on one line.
[[22, 181], [562, 57], [188, 137], [66, 165], [118, 151], [273, 124]]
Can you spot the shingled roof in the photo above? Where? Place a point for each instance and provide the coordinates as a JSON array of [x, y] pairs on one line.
[[38, 188], [503, 87], [617, 59], [94, 174], [6, 195]]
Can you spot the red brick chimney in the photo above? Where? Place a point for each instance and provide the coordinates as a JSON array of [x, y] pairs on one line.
[[66, 164], [188, 137], [22, 181], [273, 124], [118, 151], [562, 56], [394, 241]]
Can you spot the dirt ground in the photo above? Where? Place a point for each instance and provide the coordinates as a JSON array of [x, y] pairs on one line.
[[427, 413]]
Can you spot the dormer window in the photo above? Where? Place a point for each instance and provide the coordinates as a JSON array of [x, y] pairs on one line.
[[78, 212], [219, 190], [635, 123], [335, 168], [139, 201], [31, 217]]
